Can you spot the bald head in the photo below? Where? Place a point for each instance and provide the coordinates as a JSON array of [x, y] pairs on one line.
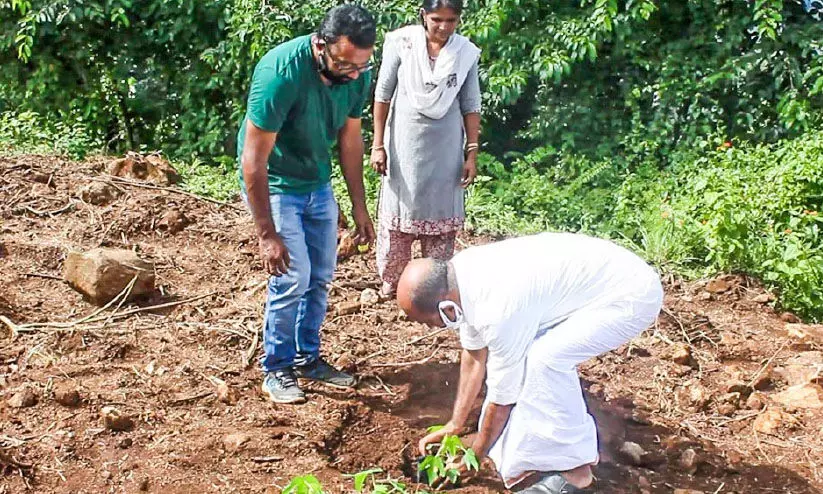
[[423, 285]]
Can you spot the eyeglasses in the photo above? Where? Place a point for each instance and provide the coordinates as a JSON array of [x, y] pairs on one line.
[[346, 67]]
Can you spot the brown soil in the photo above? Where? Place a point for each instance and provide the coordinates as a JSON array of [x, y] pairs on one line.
[[160, 367]]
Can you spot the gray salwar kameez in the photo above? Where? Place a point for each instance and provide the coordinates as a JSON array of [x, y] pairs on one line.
[[420, 195]]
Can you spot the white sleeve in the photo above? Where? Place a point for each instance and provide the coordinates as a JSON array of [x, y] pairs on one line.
[[506, 366], [470, 338]]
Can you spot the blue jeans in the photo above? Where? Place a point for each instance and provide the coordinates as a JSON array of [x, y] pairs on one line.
[[296, 301]]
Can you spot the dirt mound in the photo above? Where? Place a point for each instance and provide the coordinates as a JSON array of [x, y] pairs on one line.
[[692, 421]]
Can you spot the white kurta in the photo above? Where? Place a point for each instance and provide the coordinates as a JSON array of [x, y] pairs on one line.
[[543, 304]]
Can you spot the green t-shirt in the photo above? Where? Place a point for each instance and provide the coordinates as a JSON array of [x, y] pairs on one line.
[[287, 96]]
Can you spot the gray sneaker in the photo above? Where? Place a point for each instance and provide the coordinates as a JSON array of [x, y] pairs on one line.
[[321, 371], [281, 386], [552, 483]]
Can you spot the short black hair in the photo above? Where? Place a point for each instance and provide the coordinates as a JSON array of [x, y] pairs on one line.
[[432, 5], [433, 288], [351, 21]]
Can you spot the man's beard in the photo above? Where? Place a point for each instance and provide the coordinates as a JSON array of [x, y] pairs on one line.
[[325, 71]]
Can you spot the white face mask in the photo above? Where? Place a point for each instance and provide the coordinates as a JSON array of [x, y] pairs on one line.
[[458, 314]]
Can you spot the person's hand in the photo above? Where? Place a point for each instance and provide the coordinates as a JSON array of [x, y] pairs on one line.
[[469, 172], [435, 437], [275, 255], [378, 161], [364, 234]]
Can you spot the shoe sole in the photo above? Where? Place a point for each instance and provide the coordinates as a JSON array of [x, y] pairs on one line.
[[331, 385], [274, 399]]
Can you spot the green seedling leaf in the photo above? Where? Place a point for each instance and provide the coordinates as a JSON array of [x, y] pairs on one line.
[[453, 475], [434, 428], [470, 460], [360, 478], [306, 484]]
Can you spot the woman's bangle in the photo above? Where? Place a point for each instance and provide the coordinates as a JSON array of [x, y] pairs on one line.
[[377, 148], [472, 146]]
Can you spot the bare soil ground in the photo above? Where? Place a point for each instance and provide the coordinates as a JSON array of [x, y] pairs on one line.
[[684, 391]]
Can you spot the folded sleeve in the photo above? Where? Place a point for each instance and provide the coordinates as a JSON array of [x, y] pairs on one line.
[[387, 77], [470, 338], [271, 95], [469, 95], [508, 344]]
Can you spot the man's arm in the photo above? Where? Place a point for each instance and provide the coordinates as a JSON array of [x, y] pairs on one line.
[[494, 420], [351, 161], [472, 372], [257, 146]]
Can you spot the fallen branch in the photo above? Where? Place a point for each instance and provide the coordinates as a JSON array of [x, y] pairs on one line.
[[189, 399], [176, 190], [39, 213], [412, 342], [41, 275], [253, 346], [15, 329], [7, 459], [757, 374], [34, 326], [266, 459]]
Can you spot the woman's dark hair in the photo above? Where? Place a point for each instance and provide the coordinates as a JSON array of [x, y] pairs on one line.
[[351, 21], [431, 5]]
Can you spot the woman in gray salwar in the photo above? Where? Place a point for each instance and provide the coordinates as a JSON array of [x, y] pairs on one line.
[[426, 129]]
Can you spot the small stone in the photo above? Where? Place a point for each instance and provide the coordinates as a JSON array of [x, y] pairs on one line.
[[738, 387], [67, 395], [763, 298], [348, 307], [106, 475], [696, 396], [101, 274], [763, 380], [770, 421], [235, 441], [173, 221], [789, 317], [125, 443], [98, 193], [726, 409], [345, 246], [801, 373], [756, 401], [24, 398], [688, 461], [226, 394], [631, 453], [346, 362], [682, 354], [806, 333], [369, 297], [643, 482], [801, 396], [152, 168], [734, 461], [718, 285], [115, 420], [596, 390]]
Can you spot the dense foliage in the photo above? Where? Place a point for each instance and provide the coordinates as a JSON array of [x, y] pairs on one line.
[[689, 129]]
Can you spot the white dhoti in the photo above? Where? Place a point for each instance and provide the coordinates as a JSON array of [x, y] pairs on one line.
[[550, 428]]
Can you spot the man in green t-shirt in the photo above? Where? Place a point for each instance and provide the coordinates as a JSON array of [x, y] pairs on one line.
[[306, 94]]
